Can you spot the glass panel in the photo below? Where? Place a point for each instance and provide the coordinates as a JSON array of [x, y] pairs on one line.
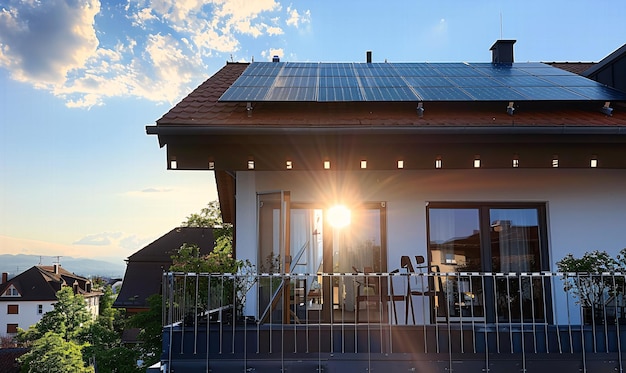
[[357, 247], [307, 251], [455, 247], [455, 239], [515, 248], [273, 248]]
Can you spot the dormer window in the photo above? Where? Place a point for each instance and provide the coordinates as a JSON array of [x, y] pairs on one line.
[[11, 292]]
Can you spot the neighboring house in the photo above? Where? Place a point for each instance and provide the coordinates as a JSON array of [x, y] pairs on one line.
[[481, 168], [26, 297], [8, 359], [611, 70], [144, 269]]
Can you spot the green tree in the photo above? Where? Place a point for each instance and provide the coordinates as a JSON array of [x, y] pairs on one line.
[[211, 217], [53, 354], [150, 326], [68, 316], [102, 340], [103, 347]]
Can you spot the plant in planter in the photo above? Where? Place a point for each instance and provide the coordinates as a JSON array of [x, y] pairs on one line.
[[214, 291], [592, 289]]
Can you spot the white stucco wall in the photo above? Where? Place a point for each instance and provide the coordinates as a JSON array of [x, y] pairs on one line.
[[586, 208], [28, 314]]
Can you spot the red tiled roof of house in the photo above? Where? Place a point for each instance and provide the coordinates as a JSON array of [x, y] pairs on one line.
[[572, 67], [201, 107]]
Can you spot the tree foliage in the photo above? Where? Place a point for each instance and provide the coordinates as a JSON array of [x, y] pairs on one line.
[[103, 343], [67, 317], [150, 325], [211, 217], [53, 354]]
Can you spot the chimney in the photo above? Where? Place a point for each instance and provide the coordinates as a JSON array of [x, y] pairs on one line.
[[368, 56], [5, 277], [56, 268], [276, 59], [502, 52]]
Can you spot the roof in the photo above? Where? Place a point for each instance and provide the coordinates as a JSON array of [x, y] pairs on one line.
[[41, 283], [573, 67], [145, 267], [162, 249], [202, 108], [8, 359]]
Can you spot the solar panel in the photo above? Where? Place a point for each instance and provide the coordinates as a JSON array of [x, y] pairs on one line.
[[494, 94], [338, 94], [549, 93], [291, 94], [345, 82], [442, 94], [571, 81], [389, 94]]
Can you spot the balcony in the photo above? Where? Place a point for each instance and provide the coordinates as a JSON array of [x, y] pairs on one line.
[[433, 322]]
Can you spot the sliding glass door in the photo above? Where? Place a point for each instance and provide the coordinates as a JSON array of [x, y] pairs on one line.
[[505, 239]]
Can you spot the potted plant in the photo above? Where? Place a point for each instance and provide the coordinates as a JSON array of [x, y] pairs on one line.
[[583, 277], [213, 291]]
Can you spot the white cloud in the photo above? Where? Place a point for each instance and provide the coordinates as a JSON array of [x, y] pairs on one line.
[[42, 41], [100, 239], [295, 18], [269, 54], [153, 49]]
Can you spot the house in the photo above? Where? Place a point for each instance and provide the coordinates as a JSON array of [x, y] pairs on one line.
[[26, 297], [345, 177], [145, 268], [8, 359]]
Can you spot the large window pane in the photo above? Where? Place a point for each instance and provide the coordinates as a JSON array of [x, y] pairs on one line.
[[455, 248], [514, 240], [506, 239], [515, 248]]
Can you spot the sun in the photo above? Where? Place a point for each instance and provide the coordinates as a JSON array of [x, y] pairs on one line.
[[339, 216]]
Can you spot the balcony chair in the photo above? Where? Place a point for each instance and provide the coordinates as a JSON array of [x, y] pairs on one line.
[[434, 289], [367, 290]]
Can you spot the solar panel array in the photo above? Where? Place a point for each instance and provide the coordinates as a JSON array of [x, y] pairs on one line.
[[344, 82]]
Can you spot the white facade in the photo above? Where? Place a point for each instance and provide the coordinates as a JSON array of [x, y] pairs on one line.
[[585, 208], [29, 313]]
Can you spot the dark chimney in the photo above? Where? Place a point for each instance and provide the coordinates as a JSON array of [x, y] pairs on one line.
[[368, 56], [5, 277], [502, 51], [276, 59]]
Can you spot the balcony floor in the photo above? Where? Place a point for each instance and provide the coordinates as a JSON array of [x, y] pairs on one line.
[[381, 347]]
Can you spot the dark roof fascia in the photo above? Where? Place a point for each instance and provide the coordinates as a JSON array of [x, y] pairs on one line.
[[605, 61], [166, 131]]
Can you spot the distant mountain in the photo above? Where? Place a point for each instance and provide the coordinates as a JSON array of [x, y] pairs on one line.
[[16, 264]]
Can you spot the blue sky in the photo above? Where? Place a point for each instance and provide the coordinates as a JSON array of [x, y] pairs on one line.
[[80, 80]]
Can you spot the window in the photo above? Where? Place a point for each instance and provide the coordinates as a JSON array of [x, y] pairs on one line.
[[500, 238], [39, 309], [11, 292], [13, 309], [11, 328]]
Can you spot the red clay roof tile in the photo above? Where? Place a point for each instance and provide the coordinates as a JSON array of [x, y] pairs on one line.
[[201, 107]]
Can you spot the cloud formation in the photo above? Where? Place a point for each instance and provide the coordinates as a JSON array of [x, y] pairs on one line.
[[84, 51], [100, 239]]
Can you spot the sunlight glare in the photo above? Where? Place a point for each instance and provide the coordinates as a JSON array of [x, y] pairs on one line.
[[339, 216]]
